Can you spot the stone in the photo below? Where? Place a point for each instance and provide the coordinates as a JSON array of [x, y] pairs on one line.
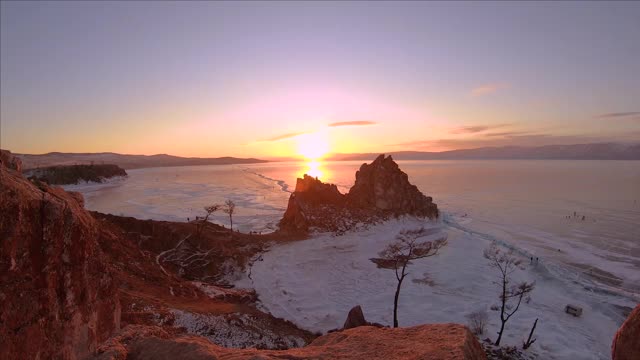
[[355, 318]]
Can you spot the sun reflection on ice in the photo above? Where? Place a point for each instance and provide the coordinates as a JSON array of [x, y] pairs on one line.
[[314, 168]]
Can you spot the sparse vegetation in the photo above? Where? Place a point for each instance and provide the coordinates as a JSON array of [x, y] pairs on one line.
[[210, 210], [478, 321], [506, 263], [230, 208], [399, 254]]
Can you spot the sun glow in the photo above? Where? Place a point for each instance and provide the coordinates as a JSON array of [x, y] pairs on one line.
[[313, 146]]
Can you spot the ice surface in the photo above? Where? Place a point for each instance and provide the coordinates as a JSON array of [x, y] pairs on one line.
[[315, 282]]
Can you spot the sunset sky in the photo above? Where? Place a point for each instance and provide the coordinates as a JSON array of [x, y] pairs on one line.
[[286, 79]]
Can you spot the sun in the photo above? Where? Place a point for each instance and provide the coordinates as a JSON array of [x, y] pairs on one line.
[[313, 146]]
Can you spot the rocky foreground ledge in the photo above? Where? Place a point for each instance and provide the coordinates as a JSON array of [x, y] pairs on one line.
[[381, 190], [434, 342]]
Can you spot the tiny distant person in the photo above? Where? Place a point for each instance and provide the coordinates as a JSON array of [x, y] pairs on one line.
[[583, 217], [531, 260]]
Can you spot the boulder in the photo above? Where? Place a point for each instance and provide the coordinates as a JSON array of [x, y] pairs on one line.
[[58, 299], [626, 342], [355, 318]]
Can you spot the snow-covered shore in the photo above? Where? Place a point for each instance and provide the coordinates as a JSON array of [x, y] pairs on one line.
[[315, 282]]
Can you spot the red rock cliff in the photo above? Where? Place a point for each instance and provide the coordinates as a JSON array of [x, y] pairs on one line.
[[626, 343], [57, 297]]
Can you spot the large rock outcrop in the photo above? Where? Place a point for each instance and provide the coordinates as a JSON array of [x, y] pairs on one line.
[[57, 297], [626, 342], [382, 185], [10, 161], [434, 342], [381, 190]]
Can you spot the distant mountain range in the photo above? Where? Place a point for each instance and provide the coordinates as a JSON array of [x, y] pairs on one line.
[[125, 161], [599, 151]]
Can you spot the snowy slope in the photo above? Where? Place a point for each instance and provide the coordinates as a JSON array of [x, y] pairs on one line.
[[314, 283]]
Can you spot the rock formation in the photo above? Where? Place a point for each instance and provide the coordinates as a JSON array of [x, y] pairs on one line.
[[382, 185], [381, 190], [435, 342], [57, 296], [355, 318], [10, 161], [626, 342]]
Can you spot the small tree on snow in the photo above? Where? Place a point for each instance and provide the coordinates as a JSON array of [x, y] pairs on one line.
[[230, 208], [399, 254], [210, 210], [506, 263]]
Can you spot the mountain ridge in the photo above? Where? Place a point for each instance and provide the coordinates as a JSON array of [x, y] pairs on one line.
[[590, 151]]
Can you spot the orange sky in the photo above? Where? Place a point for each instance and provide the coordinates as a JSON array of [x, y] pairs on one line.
[[271, 79]]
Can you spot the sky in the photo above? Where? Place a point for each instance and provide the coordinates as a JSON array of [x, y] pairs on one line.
[[282, 79]]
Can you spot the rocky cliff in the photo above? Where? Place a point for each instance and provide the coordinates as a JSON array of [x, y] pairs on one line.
[[57, 296], [381, 190], [626, 342]]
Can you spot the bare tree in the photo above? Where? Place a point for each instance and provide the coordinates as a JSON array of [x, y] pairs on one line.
[[478, 321], [230, 208], [210, 210], [399, 254], [529, 342], [506, 263]]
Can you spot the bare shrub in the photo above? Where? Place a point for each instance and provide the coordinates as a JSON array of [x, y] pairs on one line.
[[478, 321]]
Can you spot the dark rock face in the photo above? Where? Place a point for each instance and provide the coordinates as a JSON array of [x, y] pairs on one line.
[[58, 299], [355, 318], [626, 342], [381, 190]]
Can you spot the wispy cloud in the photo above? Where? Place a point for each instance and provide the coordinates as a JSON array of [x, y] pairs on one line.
[[352, 123], [473, 129], [487, 89], [469, 130], [284, 136], [507, 133], [620, 115]]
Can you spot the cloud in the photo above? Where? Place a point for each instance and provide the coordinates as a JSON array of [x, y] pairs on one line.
[[487, 89], [475, 128], [507, 133], [469, 130], [352, 123], [619, 115], [284, 136]]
